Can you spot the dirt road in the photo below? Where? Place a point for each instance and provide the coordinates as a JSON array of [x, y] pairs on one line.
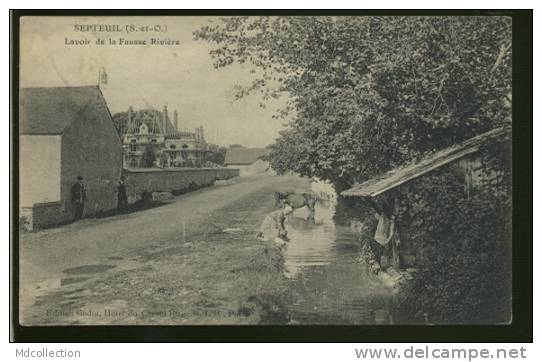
[[198, 252]]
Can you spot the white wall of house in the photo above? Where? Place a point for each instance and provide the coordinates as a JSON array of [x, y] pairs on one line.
[[39, 169]]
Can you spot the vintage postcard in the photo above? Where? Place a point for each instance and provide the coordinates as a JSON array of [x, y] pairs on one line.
[[265, 170]]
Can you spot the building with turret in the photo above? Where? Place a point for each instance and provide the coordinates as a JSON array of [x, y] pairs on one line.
[[152, 140]]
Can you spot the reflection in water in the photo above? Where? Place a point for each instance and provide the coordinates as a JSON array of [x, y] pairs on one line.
[[329, 283], [309, 240]]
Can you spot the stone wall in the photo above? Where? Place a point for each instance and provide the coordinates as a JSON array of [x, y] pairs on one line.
[[176, 181], [41, 215], [91, 148]]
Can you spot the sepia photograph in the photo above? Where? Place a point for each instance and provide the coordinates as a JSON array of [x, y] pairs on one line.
[[264, 170]]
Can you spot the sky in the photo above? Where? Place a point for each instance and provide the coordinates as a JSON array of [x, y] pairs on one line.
[[144, 76]]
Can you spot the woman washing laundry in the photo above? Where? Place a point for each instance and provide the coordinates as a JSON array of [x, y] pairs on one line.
[[387, 233], [273, 225]]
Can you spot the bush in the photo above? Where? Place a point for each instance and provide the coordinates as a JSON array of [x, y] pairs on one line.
[[466, 274]]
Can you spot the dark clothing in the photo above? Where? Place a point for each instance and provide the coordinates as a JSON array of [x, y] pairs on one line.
[[122, 198], [79, 208], [79, 193], [79, 196]]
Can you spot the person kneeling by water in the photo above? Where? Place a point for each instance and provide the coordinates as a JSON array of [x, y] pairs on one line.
[[273, 225]]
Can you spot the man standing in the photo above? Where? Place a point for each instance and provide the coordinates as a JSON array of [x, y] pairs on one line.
[[79, 196]]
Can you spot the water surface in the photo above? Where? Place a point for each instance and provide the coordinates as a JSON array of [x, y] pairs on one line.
[[328, 280]]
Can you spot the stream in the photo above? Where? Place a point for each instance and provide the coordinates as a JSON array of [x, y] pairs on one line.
[[329, 282]]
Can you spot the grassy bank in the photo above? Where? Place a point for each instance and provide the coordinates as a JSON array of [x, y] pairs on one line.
[[212, 272]]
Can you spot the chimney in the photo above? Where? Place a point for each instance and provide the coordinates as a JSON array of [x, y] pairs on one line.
[[164, 120], [175, 121], [201, 133], [129, 124]]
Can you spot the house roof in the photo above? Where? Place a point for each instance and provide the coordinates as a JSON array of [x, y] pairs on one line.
[[154, 120], [50, 110], [244, 156], [401, 175]]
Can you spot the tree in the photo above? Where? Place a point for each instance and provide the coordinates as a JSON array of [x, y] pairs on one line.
[[363, 87], [217, 155], [120, 120], [367, 94]]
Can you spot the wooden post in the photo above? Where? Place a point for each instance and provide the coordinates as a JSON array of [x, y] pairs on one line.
[[396, 239], [396, 249]]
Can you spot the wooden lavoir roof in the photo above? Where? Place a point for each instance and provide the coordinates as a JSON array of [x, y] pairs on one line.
[[401, 175]]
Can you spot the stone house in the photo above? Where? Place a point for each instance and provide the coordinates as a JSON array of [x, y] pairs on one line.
[[65, 132], [185, 149], [247, 160]]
